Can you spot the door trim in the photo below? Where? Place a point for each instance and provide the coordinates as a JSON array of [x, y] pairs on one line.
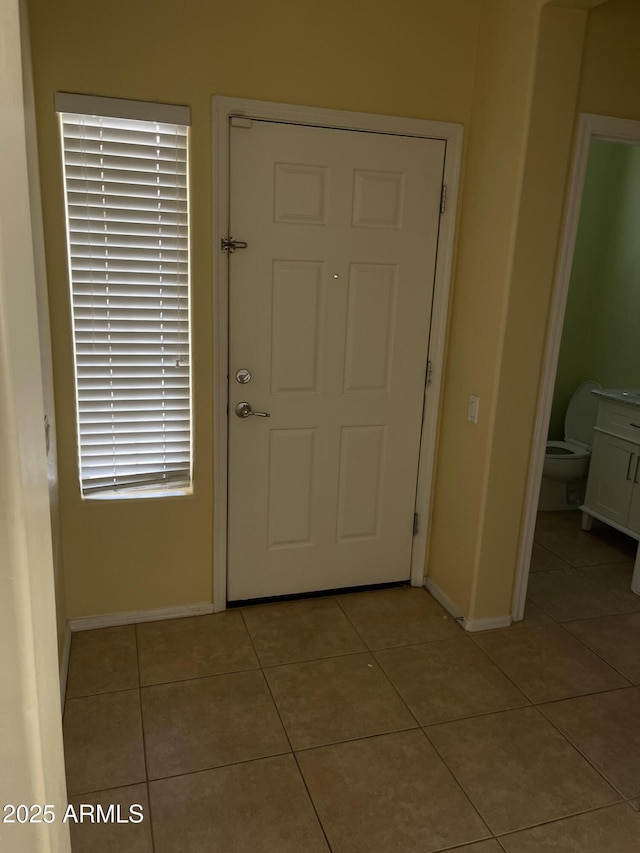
[[223, 107], [590, 128]]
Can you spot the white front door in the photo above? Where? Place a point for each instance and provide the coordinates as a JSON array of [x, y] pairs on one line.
[[330, 308]]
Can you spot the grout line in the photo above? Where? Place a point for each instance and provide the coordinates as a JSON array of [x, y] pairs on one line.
[[313, 805], [553, 820], [266, 681], [351, 622], [459, 784], [508, 677], [581, 751], [197, 677], [629, 612], [396, 690], [102, 693], [286, 734], [151, 833], [144, 743], [599, 656]]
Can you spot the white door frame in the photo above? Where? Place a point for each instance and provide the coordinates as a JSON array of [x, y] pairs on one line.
[[223, 107], [590, 128]]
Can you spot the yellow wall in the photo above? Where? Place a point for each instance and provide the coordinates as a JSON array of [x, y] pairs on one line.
[[496, 146], [415, 59], [610, 78], [539, 218], [519, 150]]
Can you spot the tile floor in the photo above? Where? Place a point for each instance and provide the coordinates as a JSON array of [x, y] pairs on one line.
[[371, 721]]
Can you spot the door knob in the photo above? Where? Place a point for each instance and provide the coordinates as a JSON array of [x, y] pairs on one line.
[[244, 410]]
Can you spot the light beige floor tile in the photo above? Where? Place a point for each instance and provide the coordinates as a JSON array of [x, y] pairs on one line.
[[606, 728], [617, 577], [448, 679], [197, 646], [334, 699], [547, 663], [615, 828], [398, 617], [578, 547], [544, 561], [533, 617], [102, 661], [568, 594], [614, 638], [490, 846], [518, 769], [635, 804], [256, 807], [113, 837], [388, 793], [194, 725], [293, 631], [103, 742]]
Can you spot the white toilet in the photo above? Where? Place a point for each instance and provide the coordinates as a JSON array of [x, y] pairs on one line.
[[566, 463]]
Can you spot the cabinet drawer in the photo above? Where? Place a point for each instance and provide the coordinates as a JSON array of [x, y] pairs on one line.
[[619, 420]]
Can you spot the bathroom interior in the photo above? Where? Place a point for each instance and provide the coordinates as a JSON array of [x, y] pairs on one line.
[[600, 350]]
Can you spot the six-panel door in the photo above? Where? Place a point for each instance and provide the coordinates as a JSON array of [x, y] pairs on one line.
[[330, 307]]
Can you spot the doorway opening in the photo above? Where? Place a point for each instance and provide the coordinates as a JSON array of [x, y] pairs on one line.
[[592, 335]]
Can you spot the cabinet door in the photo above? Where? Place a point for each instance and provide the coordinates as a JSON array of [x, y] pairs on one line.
[[634, 510], [611, 477]]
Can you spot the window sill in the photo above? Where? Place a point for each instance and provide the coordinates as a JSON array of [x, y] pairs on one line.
[[141, 493]]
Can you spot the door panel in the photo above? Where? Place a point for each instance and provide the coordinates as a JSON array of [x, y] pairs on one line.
[[330, 309], [362, 464], [610, 477], [371, 312]]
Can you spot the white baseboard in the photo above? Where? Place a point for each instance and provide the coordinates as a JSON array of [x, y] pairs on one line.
[[64, 664], [443, 599], [491, 624], [110, 620], [470, 625]]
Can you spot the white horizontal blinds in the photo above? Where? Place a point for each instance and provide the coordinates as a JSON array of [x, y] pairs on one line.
[[127, 225]]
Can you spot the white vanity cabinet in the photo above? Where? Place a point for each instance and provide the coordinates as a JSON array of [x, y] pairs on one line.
[[613, 488], [613, 482]]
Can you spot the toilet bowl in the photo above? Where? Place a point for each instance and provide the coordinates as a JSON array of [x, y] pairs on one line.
[[566, 463]]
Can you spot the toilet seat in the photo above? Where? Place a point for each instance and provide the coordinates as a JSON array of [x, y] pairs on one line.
[[566, 462], [566, 449], [579, 420]]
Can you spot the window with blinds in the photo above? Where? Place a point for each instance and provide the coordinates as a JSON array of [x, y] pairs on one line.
[[127, 212]]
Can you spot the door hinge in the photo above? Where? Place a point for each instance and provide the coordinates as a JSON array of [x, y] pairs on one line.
[[429, 371], [443, 199], [415, 523], [228, 244]]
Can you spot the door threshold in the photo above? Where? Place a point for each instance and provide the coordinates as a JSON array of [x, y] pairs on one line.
[[321, 593]]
